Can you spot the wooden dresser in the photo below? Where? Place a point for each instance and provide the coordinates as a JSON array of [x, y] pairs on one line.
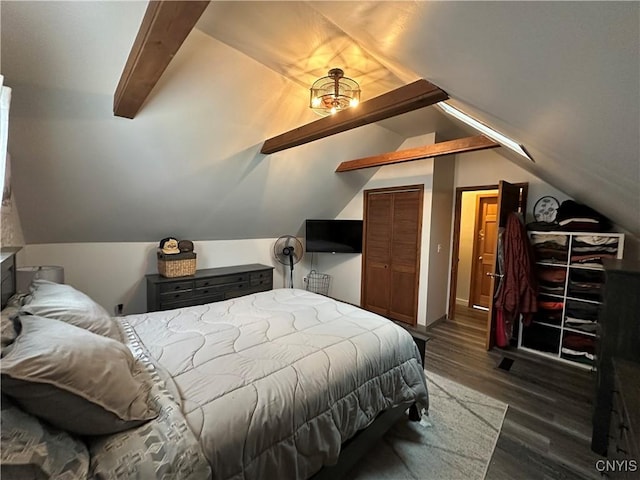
[[8, 261], [207, 285], [624, 429], [619, 338]]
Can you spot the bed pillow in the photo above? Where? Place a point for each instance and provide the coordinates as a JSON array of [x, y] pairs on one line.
[[74, 379], [63, 302], [34, 450]]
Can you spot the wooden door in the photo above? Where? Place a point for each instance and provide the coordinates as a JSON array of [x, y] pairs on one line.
[[391, 253], [376, 278], [484, 249], [510, 199]]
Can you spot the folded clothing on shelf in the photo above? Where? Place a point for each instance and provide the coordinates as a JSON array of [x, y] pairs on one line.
[[588, 326], [579, 343], [577, 217], [582, 310]]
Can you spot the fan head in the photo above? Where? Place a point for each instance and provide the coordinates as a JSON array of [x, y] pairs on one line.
[[288, 249]]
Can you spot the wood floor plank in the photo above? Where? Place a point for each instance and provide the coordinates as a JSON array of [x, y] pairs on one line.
[[547, 430]]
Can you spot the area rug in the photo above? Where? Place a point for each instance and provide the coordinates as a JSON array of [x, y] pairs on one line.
[[457, 445]]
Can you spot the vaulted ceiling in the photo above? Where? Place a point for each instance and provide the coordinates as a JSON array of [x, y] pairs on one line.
[[562, 78]]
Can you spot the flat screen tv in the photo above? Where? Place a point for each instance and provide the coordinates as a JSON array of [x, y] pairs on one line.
[[334, 236]]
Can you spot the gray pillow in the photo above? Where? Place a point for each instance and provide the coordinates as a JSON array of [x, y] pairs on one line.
[[75, 380], [34, 450], [63, 302]]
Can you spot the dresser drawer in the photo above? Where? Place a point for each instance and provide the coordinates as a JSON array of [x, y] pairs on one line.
[[171, 297], [178, 304], [259, 278], [175, 286], [207, 282], [213, 289]]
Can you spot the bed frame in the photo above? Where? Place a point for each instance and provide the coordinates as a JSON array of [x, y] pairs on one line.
[[354, 449]]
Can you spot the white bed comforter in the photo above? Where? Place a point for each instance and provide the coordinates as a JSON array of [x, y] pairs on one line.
[[273, 383]]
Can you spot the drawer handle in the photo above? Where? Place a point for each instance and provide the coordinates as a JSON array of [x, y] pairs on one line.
[[176, 287], [205, 291]]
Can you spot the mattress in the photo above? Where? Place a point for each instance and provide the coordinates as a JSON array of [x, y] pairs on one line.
[[272, 384]]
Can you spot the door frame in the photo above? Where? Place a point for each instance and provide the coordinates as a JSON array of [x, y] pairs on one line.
[[474, 255], [455, 247], [396, 189]]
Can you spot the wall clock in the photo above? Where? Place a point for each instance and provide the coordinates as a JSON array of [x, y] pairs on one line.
[[545, 209]]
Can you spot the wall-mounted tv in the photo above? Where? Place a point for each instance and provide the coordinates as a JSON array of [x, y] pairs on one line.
[[334, 236]]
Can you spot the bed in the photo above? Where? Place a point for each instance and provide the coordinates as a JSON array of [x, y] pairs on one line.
[[270, 385]]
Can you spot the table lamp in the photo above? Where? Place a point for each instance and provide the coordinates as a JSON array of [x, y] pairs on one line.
[[26, 275]]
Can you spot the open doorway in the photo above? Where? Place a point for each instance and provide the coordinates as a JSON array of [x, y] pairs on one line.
[[478, 231], [479, 212]]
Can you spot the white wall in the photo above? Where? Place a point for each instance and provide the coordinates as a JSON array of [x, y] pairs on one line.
[[487, 167], [345, 269], [113, 273], [440, 233], [189, 164]]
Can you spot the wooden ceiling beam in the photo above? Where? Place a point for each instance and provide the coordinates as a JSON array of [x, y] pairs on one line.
[[413, 96], [460, 145], [164, 28]]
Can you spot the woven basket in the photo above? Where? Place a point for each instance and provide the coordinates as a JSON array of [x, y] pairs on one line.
[[318, 282], [177, 265]]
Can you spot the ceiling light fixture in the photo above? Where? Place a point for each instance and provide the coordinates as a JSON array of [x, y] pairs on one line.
[[488, 131], [333, 93]]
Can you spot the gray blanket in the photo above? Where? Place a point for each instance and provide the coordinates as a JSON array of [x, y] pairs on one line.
[[273, 383]]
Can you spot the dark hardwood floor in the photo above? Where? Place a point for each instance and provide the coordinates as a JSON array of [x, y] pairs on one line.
[[547, 429]]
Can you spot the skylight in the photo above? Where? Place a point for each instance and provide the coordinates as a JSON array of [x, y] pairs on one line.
[[488, 131]]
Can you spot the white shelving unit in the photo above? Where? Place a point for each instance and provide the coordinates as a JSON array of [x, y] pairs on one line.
[[570, 278]]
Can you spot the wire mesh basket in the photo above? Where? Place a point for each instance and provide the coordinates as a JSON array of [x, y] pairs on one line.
[[318, 282]]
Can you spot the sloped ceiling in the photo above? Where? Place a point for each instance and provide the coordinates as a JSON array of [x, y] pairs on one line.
[[562, 78]]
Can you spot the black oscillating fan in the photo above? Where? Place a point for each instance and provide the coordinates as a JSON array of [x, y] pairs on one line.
[[288, 251]]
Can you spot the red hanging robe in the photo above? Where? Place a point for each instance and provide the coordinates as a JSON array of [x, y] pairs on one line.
[[518, 289]]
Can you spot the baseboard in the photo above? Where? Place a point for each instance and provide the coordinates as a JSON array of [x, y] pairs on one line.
[[437, 321]]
